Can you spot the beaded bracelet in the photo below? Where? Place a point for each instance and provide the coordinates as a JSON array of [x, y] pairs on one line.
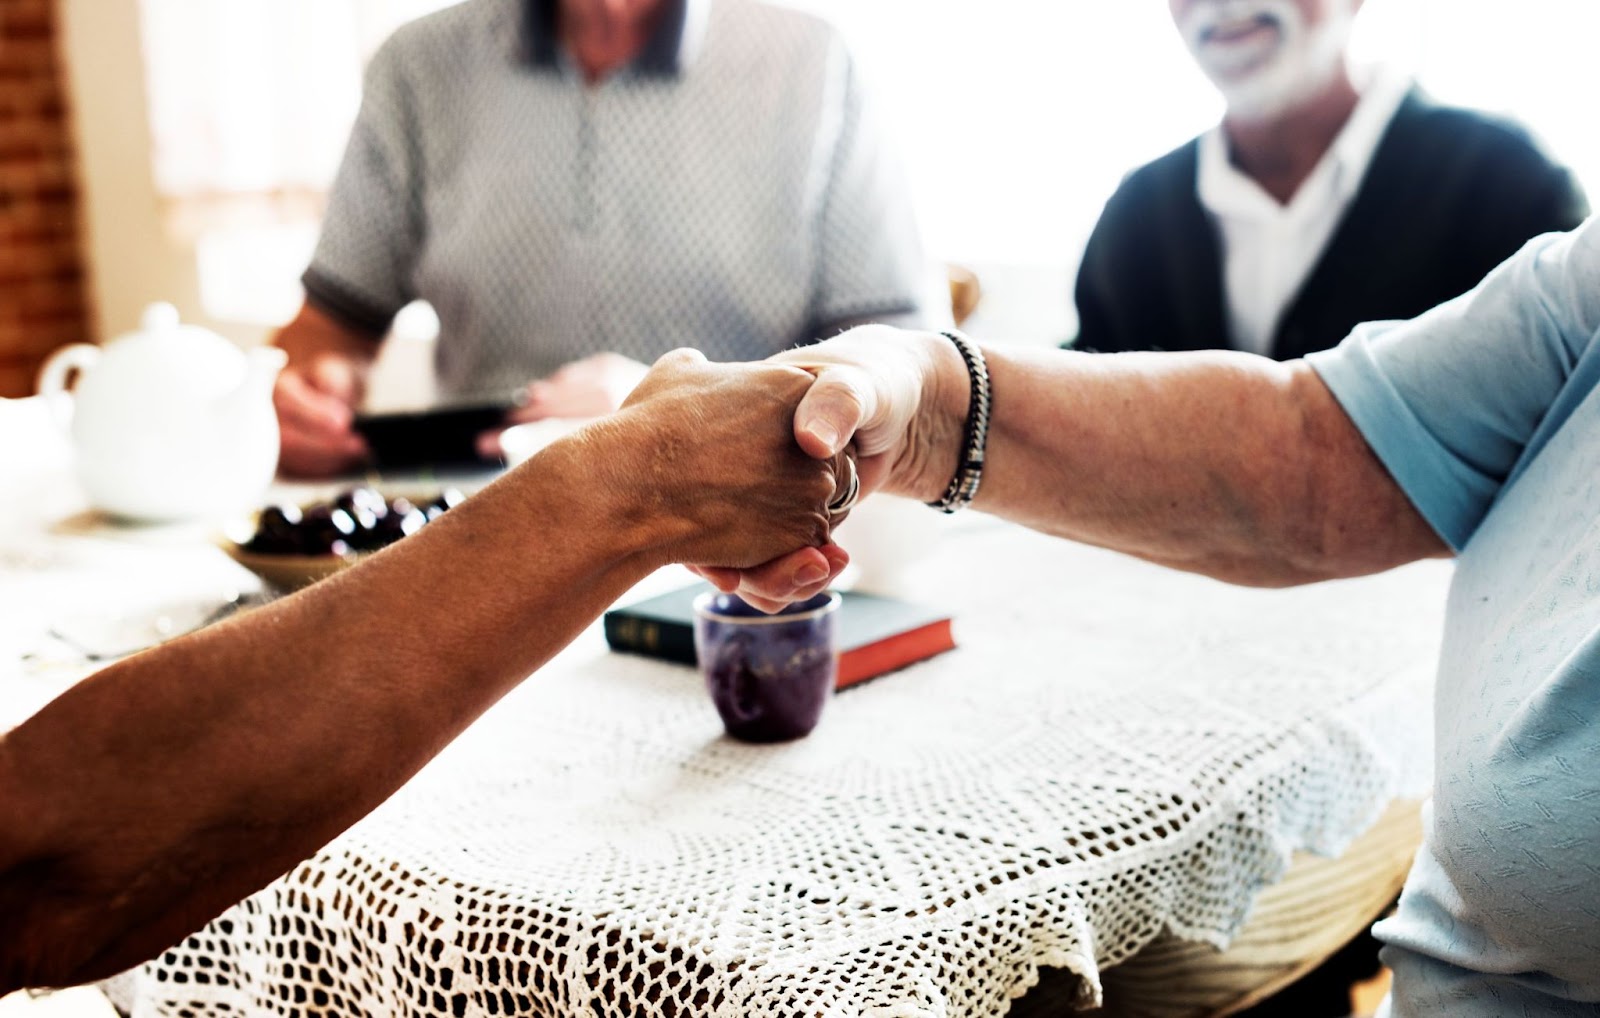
[[969, 469]]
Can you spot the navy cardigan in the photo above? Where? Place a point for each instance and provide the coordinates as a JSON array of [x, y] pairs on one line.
[[1448, 196]]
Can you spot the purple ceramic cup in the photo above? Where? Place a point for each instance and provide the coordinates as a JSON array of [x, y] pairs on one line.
[[769, 675]]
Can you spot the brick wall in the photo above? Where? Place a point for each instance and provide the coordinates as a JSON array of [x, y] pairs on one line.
[[42, 290]]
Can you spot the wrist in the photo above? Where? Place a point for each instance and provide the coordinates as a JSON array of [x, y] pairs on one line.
[[933, 449], [588, 487], [967, 477]]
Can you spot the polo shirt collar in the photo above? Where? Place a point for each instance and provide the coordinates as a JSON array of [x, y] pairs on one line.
[[1225, 190], [1380, 100], [668, 52]]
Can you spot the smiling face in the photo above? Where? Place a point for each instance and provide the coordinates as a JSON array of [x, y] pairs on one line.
[[1266, 56]]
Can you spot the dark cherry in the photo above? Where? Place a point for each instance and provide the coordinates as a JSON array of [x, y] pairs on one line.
[[447, 500], [359, 519], [322, 527], [278, 519], [367, 535], [276, 531], [266, 544], [362, 500], [399, 523]]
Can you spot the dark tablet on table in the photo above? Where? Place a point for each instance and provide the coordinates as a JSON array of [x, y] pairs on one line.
[[442, 436]]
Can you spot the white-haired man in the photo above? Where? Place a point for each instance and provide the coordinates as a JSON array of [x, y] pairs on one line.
[[1325, 198]]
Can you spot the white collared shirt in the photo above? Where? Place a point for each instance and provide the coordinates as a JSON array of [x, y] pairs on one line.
[[1268, 249]]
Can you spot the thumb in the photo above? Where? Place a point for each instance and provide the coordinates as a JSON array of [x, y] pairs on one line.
[[336, 377], [832, 410]]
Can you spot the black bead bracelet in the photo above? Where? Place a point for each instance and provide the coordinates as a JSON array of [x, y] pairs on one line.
[[969, 469]]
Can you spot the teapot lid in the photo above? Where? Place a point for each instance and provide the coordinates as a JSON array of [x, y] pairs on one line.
[[166, 359], [159, 317]]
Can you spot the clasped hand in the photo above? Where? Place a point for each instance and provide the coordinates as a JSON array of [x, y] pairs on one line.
[[728, 466], [883, 396]]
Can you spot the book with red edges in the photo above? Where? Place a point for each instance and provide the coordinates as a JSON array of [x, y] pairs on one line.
[[876, 634]]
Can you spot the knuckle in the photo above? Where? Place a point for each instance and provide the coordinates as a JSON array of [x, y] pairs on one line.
[[682, 355], [839, 394], [825, 483], [793, 377], [818, 526]]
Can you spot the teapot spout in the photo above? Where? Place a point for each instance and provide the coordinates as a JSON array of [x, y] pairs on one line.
[[262, 365]]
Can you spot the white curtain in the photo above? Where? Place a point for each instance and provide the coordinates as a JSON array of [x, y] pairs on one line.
[[250, 100]]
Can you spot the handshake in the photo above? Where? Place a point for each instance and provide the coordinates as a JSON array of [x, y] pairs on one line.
[[743, 470], [1220, 463]]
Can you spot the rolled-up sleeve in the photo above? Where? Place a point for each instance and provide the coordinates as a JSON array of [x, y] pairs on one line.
[[1454, 402]]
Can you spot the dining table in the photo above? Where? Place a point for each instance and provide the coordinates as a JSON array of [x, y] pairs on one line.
[[1114, 754]]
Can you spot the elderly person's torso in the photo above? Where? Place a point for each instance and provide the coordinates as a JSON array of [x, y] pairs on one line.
[[716, 193], [1327, 197]]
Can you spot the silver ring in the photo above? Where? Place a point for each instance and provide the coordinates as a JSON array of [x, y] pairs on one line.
[[852, 489]]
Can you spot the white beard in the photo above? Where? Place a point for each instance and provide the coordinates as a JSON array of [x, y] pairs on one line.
[[1280, 66]]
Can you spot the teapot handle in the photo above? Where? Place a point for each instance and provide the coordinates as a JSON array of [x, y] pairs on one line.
[[79, 357]]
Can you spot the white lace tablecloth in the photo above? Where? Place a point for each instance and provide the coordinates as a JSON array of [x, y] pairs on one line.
[[1114, 751]]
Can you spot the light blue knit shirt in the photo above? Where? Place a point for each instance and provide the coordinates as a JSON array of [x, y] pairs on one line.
[[1486, 411]]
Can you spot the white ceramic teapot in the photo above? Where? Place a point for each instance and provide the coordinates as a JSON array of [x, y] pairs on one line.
[[171, 422]]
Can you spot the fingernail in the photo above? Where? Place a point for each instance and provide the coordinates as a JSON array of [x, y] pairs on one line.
[[825, 433], [807, 575]]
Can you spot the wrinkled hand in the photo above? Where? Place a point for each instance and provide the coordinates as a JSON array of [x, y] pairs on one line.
[[707, 456], [899, 400], [316, 402], [591, 387]]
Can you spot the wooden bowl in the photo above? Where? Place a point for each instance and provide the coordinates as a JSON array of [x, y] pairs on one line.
[[291, 572], [287, 572]]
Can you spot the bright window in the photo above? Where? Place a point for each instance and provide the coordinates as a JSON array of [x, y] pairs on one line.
[[1017, 117], [250, 103], [1020, 116]]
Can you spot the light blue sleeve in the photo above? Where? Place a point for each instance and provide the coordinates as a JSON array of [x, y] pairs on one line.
[[1454, 402]]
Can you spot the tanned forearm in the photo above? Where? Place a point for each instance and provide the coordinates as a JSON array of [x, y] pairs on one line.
[[1220, 463], [153, 795], [268, 736]]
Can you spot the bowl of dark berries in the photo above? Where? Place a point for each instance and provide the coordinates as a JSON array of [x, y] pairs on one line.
[[290, 546]]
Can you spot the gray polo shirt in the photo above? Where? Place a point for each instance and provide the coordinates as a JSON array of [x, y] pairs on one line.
[[725, 192]]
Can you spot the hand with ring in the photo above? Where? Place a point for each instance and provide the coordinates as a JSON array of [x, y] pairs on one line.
[[849, 493], [888, 406]]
